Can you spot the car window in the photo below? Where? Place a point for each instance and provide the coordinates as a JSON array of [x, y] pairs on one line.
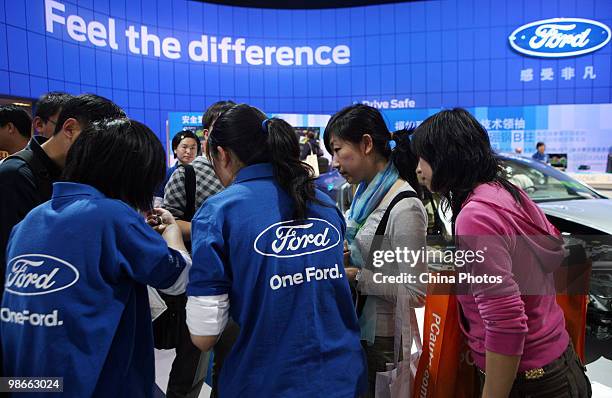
[[544, 183]]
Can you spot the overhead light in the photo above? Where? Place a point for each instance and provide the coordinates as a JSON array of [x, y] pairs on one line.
[[21, 104]]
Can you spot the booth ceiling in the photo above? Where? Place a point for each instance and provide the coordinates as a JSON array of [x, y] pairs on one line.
[[302, 4]]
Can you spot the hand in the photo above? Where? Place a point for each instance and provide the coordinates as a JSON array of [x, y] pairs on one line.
[[347, 259], [351, 273], [159, 219], [501, 372], [347, 256]]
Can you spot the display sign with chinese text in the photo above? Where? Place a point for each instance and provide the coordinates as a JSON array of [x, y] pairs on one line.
[[582, 132]]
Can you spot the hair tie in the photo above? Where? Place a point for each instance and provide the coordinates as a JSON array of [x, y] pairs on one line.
[[391, 144], [399, 136], [264, 125]]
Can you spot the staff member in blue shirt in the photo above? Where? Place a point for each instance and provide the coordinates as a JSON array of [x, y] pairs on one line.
[[75, 303], [540, 154], [268, 252]]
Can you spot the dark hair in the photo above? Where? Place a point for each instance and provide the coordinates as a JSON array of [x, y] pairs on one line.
[[181, 135], [539, 144], [242, 130], [49, 104], [458, 149], [121, 158], [213, 112], [19, 117], [352, 122], [88, 108]]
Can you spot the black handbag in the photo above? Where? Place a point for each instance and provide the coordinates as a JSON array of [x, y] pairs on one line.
[[171, 324]]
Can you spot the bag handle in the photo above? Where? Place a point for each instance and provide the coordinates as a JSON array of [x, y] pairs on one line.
[[382, 226], [406, 330], [310, 146], [414, 326]]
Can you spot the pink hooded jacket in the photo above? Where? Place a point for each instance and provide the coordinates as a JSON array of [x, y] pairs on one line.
[[521, 315]]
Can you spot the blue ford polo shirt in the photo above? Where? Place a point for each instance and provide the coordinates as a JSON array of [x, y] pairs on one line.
[[288, 292], [75, 303]]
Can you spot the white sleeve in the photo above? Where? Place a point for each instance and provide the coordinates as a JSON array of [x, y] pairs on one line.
[[180, 285], [207, 315]]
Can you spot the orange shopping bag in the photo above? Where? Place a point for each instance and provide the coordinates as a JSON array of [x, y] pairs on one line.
[[575, 313], [572, 283], [445, 367]]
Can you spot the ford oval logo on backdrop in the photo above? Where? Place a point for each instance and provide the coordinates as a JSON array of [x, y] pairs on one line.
[[560, 37], [36, 274], [297, 238]]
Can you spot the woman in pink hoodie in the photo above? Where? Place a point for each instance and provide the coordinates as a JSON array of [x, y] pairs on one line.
[[513, 325]]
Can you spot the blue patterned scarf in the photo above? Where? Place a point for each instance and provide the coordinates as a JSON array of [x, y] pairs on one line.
[[366, 200]]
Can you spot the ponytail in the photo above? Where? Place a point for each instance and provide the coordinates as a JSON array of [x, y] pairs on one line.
[[254, 139], [294, 176], [404, 160]]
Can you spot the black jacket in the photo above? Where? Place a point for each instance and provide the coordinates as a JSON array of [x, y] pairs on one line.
[[22, 189]]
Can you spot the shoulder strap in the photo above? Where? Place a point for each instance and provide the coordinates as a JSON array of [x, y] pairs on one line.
[[378, 238], [41, 174], [190, 188], [382, 226], [311, 152]]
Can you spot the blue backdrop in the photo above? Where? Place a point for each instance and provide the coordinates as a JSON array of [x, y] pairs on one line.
[[427, 55]]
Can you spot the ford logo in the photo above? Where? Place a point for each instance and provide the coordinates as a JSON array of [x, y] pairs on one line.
[[560, 37], [297, 238], [36, 274]]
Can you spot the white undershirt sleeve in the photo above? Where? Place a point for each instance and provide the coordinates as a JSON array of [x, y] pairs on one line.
[[207, 315]]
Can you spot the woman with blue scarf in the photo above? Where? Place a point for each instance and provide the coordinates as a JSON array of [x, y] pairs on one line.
[[383, 166]]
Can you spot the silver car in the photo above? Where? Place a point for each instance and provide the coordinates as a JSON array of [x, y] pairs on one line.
[[567, 202], [579, 212]]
